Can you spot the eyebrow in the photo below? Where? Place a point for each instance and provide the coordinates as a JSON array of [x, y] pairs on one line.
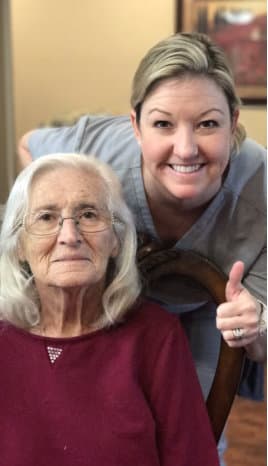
[[54, 207], [213, 109], [45, 207], [159, 110], [86, 205]]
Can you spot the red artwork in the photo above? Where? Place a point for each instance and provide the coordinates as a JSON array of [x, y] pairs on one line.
[[245, 46], [240, 28]]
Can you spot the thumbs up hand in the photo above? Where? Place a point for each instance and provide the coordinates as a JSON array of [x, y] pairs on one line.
[[238, 317]]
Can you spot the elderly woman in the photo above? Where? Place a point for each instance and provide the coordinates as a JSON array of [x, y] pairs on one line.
[[90, 373]]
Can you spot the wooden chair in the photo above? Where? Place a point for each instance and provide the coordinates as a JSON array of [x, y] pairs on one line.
[[154, 263]]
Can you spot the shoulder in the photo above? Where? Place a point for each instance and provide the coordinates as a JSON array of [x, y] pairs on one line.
[[100, 123], [4, 325], [6, 333], [247, 174], [111, 138], [253, 149], [251, 158], [151, 318], [238, 230]]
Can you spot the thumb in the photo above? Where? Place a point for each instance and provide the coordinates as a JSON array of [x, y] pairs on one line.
[[234, 285]]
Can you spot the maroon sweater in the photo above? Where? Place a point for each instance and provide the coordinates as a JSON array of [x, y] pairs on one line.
[[127, 396]]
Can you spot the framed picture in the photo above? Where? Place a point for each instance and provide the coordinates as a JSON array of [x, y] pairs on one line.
[[239, 27]]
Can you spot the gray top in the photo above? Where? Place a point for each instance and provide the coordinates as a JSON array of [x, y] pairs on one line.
[[233, 227]]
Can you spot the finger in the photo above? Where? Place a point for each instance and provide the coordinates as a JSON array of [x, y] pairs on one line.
[[234, 285], [248, 334], [224, 324], [248, 338], [226, 310], [240, 343]]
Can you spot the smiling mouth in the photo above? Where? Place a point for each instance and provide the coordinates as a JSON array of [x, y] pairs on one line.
[[186, 168]]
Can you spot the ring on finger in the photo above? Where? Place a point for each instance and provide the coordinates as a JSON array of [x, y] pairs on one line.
[[238, 333]]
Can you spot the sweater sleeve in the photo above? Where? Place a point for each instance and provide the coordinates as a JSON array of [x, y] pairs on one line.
[[183, 431]]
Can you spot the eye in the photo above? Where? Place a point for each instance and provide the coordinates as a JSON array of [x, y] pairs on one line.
[[89, 215], [45, 217], [162, 124], [209, 124]]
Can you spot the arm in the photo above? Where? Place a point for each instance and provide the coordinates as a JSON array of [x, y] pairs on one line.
[[49, 140], [242, 311], [107, 137], [183, 431]]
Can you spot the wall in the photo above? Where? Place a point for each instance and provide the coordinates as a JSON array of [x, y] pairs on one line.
[[76, 55], [255, 121]]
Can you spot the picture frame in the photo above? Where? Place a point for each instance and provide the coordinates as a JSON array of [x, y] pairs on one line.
[[240, 28]]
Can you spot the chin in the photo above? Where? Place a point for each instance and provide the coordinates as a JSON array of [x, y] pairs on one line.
[[77, 280], [187, 193], [74, 281]]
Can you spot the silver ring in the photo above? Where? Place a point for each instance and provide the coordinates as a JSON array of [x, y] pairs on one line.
[[238, 333]]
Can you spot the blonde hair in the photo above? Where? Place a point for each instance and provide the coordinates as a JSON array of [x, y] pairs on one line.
[[186, 54], [19, 302]]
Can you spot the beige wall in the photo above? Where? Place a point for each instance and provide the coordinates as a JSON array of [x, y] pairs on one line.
[[72, 55], [80, 54], [255, 121]]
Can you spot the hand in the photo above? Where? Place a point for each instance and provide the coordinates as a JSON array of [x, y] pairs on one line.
[[240, 311]]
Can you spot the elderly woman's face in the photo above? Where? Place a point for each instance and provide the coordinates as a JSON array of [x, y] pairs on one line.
[[186, 135], [68, 258]]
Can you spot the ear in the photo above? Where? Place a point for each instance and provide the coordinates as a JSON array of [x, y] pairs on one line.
[[235, 120], [135, 125], [20, 251], [115, 247]]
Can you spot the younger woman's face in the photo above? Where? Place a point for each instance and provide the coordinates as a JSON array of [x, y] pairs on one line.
[[186, 134]]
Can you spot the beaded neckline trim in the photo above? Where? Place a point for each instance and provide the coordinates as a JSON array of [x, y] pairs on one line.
[[53, 353]]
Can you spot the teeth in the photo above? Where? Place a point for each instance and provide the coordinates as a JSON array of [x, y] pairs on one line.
[[185, 168]]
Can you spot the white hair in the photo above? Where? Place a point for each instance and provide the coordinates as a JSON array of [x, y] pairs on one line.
[[19, 301]]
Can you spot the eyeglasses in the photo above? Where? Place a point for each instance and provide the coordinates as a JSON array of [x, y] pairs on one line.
[[46, 223]]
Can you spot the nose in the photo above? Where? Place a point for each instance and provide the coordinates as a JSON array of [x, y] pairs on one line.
[[69, 233], [185, 145]]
